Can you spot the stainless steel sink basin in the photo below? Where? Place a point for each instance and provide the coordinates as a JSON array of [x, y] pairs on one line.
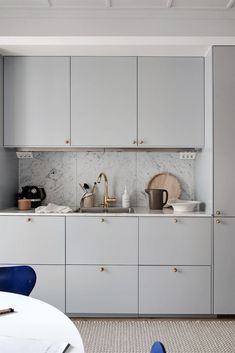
[[106, 210]]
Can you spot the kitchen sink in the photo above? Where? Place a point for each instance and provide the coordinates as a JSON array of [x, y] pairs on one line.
[[106, 210]]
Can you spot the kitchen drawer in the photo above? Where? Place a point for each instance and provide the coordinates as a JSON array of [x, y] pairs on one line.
[[170, 241], [101, 289], [32, 240], [163, 291], [50, 284], [102, 240]]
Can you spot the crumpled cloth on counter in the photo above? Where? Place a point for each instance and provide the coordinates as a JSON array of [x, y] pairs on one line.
[[53, 208]]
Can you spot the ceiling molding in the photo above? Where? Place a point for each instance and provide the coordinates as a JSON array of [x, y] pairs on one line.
[[108, 13]]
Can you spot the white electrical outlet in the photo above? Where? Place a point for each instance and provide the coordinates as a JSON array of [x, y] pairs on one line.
[[23, 155], [188, 155]]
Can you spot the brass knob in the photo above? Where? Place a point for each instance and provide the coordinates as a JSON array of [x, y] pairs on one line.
[[174, 269], [218, 221], [29, 219], [141, 142], [102, 269], [218, 212], [175, 220], [67, 142], [134, 142]]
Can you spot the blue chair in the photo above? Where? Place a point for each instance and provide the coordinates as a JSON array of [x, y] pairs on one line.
[[17, 279], [158, 347]]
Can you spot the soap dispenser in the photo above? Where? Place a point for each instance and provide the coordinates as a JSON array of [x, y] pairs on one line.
[[125, 198]]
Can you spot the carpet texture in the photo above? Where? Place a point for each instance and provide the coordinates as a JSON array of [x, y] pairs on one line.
[[137, 336]]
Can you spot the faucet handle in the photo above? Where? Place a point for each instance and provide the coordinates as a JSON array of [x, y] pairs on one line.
[[111, 199]]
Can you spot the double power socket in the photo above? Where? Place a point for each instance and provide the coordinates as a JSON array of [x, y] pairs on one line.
[[188, 155]]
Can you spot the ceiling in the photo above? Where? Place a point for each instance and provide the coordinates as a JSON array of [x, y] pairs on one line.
[[115, 27], [113, 5]]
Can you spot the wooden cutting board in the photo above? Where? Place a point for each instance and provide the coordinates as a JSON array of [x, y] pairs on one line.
[[166, 181]]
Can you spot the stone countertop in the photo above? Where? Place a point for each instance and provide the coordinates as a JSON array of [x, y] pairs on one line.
[[139, 212]]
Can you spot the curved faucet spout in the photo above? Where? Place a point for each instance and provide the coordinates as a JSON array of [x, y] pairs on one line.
[[106, 197]]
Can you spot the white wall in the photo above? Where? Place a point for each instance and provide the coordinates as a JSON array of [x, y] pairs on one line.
[[118, 22]]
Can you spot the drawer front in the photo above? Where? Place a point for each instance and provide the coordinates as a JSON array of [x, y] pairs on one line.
[[50, 284], [101, 290], [170, 241], [163, 291], [32, 240], [102, 240]]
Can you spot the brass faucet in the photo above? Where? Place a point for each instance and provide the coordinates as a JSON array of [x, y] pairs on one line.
[[106, 198]]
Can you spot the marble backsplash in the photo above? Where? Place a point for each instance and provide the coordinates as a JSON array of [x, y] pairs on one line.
[[61, 172]]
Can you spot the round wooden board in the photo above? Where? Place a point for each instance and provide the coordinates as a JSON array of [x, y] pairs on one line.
[[166, 181]]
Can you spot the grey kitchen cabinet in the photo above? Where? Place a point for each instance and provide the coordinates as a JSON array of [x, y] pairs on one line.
[[175, 241], [103, 101], [102, 290], [224, 266], [106, 240], [102, 265], [224, 173], [39, 242], [171, 101], [224, 130], [175, 265], [174, 290], [36, 101], [32, 240]]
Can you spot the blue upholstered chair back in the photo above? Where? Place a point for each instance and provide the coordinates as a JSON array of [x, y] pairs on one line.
[[158, 347], [17, 279]]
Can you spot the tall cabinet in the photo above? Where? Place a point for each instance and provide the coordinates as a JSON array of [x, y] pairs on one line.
[[224, 177]]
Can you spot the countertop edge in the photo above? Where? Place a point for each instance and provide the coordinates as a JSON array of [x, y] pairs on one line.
[[138, 213]]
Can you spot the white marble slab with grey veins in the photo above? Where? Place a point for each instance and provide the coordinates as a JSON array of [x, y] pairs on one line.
[[61, 172]]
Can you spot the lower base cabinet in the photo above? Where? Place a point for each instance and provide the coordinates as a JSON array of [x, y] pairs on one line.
[[174, 290], [101, 289], [50, 285]]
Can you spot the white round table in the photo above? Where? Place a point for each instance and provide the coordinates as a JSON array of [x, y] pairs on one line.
[[35, 319]]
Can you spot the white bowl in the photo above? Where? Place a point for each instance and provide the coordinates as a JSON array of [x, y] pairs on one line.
[[184, 205]]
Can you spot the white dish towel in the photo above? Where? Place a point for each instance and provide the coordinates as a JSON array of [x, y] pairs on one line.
[[53, 208]]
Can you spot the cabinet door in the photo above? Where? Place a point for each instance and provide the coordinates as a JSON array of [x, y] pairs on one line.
[[101, 290], [171, 101], [102, 240], [224, 266], [32, 240], [224, 130], [36, 101], [164, 291], [175, 241], [104, 101]]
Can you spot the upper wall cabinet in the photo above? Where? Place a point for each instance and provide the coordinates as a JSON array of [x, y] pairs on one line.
[[171, 102], [103, 101], [36, 101]]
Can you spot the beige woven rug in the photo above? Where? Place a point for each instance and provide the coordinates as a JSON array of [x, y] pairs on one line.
[[137, 336]]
